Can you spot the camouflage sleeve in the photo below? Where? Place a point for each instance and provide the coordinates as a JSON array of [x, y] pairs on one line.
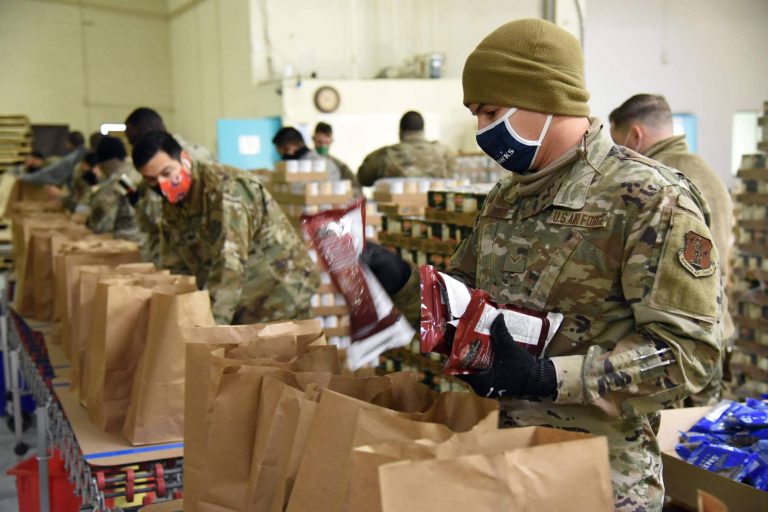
[[229, 239], [450, 163], [169, 257], [347, 174], [672, 288], [372, 167], [148, 219], [103, 211]]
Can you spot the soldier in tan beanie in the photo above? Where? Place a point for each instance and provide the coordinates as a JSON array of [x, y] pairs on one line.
[[617, 243]]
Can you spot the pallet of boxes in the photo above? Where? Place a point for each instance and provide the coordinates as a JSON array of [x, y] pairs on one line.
[[303, 186], [749, 362], [424, 220]]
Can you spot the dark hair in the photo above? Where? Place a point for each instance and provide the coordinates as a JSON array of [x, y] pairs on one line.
[[90, 159], [76, 139], [37, 154], [94, 139], [324, 128], [411, 122], [143, 120], [151, 144], [109, 148], [288, 135], [650, 109]]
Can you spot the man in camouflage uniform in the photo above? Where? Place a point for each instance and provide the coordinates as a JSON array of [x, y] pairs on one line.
[[222, 226], [323, 138], [290, 144], [617, 243], [644, 123], [111, 210], [412, 157]]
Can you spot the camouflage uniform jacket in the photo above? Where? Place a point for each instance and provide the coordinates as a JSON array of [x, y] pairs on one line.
[[149, 216], [619, 245], [414, 157], [345, 173], [231, 235], [673, 152], [110, 210]]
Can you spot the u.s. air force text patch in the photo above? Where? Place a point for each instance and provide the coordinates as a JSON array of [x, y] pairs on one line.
[[580, 219]]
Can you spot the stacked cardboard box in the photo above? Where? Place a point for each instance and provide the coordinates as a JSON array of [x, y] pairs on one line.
[[302, 186], [478, 168], [15, 141], [431, 234], [749, 363]]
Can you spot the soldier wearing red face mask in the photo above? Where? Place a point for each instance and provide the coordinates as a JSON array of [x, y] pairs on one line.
[[223, 227]]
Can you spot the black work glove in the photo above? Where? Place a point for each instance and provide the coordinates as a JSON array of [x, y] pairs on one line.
[[514, 373], [390, 270]]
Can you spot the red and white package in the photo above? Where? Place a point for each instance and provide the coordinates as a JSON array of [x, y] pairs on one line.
[[472, 351], [338, 237], [443, 302]]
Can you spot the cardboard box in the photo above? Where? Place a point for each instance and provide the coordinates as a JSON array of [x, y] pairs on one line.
[[308, 199], [282, 176], [165, 506], [683, 480], [400, 199]]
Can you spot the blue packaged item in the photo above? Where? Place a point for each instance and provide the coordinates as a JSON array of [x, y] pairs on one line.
[[754, 403], [745, 438], [724, 460], [759, 477], [752, 418], [717, 420]]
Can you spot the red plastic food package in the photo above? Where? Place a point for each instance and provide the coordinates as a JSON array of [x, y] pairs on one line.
[[338, 237], [443, 301], [471, 350]]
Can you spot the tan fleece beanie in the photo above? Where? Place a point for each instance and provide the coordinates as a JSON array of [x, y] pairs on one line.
[[531, 64]]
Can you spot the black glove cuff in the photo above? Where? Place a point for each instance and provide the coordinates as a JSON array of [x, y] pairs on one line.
[[542, 380]]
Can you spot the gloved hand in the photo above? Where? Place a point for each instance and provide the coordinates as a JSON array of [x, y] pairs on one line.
[[514, 373], [391, 271]]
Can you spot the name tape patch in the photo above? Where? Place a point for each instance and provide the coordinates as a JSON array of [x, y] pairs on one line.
[[580, 219]]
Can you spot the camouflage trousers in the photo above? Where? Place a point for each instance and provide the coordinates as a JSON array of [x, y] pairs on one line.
[[635, 456]]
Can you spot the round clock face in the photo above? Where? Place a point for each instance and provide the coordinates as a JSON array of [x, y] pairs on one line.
[[327, 99]]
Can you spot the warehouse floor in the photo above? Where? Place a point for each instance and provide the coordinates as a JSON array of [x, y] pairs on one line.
[[8, 498]]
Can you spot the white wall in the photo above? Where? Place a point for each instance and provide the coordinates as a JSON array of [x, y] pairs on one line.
[[708, 57], [84, 63], [357, 38]]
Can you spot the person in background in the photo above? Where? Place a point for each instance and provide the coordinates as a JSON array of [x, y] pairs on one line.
[[615, 242], [322, 139], [94, 139], [643, 124], [413, 157], [111, 210], [87, 177], [33, 162], [144, 120], [60, 173], [222, 226], [290, 145]]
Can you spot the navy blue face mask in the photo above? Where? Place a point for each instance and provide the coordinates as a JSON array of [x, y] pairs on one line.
[[514, 153]]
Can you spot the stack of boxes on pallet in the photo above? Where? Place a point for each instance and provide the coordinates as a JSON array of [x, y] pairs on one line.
[[429, 234], [15, 141], [303, 186], [749, 363], [479, 168]]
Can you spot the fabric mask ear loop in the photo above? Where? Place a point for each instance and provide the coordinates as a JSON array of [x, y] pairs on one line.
[[541, 138]]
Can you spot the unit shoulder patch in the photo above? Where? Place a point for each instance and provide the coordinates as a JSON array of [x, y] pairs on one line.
[[696, 255]]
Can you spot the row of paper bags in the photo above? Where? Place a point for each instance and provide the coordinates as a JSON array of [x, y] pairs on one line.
[[272, 423]]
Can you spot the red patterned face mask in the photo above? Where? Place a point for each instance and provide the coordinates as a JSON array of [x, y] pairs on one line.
[[176, 189]]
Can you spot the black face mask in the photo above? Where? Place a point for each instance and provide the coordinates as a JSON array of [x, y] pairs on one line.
[[90, 178], [298, 154]]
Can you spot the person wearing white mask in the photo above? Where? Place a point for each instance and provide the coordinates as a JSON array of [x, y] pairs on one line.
[[616, 243]]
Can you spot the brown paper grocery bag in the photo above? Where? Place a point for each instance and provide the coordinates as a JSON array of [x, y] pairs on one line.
[[556, 475], [82, 309], [341, 423], [156, 411], [485, 439], [116, 342], [220, 392]]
